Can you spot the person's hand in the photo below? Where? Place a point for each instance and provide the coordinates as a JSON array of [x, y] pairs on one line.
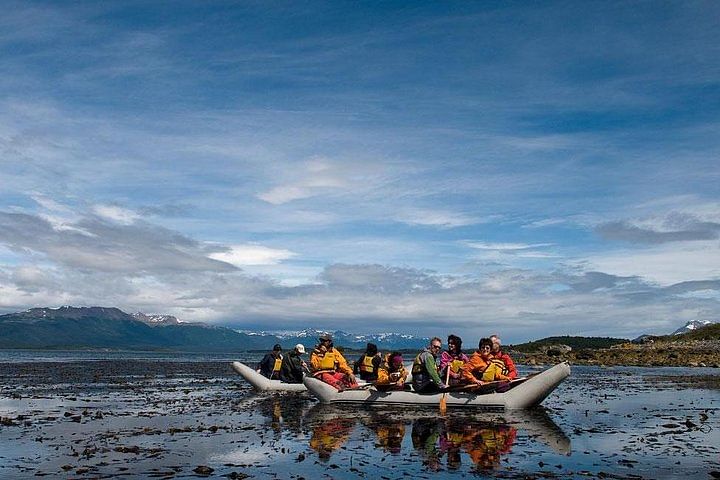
[[395, 376], [442, 386], [352, 378], [323, 349]]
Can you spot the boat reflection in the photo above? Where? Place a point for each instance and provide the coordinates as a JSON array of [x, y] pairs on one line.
[[439, 442]]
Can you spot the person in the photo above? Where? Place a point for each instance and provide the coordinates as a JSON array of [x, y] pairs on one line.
[[293, 366], [424, 370], [328, 365], [481, 369], [269, 366], [509, 369], [452, 361], [392, 374], [368, 363]]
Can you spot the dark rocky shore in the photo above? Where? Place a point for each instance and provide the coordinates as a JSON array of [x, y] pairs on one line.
[[692, 353]]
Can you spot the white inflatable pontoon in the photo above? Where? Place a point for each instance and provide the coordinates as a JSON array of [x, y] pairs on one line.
[[523, 393], [264, 384]]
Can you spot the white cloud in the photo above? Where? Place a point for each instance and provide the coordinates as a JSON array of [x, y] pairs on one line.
[[316, 176], [116, 214], [664, 264], [436, 218], [243, 255], [506, 246]]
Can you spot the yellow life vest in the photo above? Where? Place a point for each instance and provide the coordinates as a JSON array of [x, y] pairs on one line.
[[278, 363], [456, 365], [367, 365], [327, 362]]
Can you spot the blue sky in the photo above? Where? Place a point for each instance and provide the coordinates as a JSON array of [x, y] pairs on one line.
[[531, 169]]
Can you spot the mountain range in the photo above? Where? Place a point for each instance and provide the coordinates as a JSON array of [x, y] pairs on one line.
[[101, 327]]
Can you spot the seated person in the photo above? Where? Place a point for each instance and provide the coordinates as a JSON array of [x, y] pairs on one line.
[[392, 373], [482, 368], [452, 361], [328, 365], [508, 364], [424, 370], [269, 366], [293, 366], [368, 363]]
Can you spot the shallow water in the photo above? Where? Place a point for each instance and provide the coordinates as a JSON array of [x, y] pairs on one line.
[[165, 417]]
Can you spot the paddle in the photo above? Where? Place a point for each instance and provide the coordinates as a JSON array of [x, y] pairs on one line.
[[443, 399]]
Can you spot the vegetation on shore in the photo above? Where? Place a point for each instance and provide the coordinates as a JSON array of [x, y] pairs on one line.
[[698, 348]]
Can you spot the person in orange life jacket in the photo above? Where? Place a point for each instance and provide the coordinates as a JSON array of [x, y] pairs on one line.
[[269, 366], [328, 365], [293, 366], [510, 371], [481, 367], [392, 373], [454, 359], [424, 370], [368, 363]]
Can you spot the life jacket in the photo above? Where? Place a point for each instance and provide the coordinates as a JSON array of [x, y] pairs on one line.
[[276, 366], [418, 366], [328, 361], [367, 365], [456, 365]]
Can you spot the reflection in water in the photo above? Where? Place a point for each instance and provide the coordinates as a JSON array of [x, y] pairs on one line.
[[482, 439], [330, 435]]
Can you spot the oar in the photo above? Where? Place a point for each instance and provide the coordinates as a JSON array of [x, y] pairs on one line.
[[443, 399]]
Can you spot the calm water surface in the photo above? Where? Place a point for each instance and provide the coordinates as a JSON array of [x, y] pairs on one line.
[[106, 414]]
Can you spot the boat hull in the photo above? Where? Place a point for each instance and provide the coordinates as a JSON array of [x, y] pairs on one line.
[[264, 384], [526, 394]]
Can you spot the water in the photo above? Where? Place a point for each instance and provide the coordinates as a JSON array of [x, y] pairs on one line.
[[165, 415]]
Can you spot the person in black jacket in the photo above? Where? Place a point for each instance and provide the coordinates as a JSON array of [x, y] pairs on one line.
[[293, 366], [269, 366], [369, 363]]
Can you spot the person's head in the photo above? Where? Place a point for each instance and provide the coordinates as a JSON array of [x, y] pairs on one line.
[[435, 345], [395, 361], [454, 344], [277, 348], [300, 348], [485, 346], [495, 343], [325, 340], [371, 349]]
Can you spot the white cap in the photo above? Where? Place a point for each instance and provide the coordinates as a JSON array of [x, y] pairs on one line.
[[300, 348]]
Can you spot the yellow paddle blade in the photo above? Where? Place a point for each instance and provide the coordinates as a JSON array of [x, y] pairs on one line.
[[443, 405]]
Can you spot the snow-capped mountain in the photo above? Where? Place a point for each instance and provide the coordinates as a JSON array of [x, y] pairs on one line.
[[691, 325], [309, 337], [156, 319]]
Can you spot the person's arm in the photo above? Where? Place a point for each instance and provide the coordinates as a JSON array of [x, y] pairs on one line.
[[432, 370], [377, 361], [314, 362], [342, 364], [512, 370]]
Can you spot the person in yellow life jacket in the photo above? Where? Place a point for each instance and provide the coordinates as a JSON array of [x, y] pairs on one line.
[[482, 367], [368, 363], [392, 374], [269, 366], [328, 364]]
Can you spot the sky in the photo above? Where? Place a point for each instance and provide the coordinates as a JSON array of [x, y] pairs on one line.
[[521, 168]]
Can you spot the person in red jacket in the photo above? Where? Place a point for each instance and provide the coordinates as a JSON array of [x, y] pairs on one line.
[[510, 371]]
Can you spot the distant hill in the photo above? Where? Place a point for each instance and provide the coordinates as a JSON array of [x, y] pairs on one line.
[[100, 327], [576, 343], [691, 326], [708, 332]]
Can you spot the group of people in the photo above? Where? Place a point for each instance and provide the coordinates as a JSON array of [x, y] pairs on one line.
[[433, 369]]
